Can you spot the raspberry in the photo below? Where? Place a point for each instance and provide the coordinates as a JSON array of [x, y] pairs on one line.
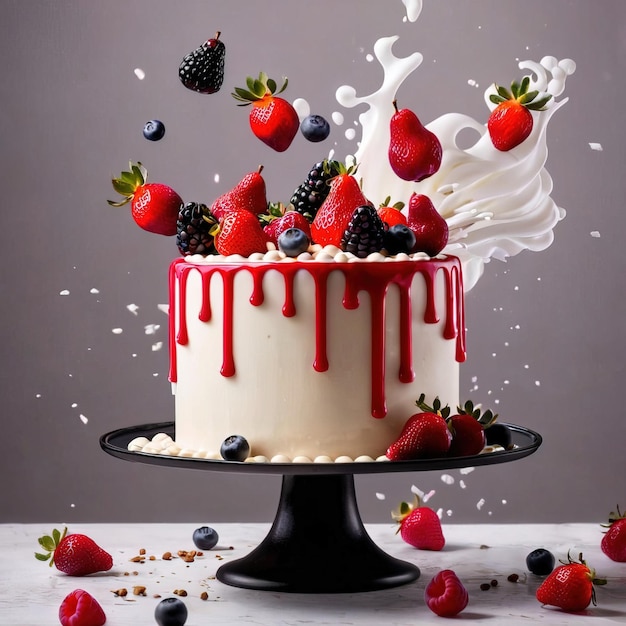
[[445, 594]]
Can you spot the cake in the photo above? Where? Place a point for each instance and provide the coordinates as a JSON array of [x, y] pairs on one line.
[[320, 355]]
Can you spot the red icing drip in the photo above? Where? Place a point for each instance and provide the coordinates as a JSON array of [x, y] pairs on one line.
[[374, 278]]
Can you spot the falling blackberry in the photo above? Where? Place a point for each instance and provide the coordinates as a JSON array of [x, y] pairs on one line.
[[364, 233], [310, 195], [196, 228]]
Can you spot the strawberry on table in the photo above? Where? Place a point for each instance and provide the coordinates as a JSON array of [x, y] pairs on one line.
[[570, 586], [614, 540], [80, 608], [154, 206], [445, 594], [202, 70], [74, 554], [272, 119], [511, 122], [419, 526]]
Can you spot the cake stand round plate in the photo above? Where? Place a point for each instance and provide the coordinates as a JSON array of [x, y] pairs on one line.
[[317, 543]]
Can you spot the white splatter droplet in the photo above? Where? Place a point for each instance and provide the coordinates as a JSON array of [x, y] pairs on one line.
[[466, 470], [595, 146], [216, 178], [139, 73], [302, 108], [117, 331], [480, 504], [83, 419], [595, 233], [369, 58], [380, 496], [417, 491], [462, 484], [428, 496], [74, 405], [350, 134], [133, 308], [447, 479], [537, 383], [164, 308], [150, 329], [157, 346], [94, 290], [65, 292], [472, 83], [337, 118], [37, 395]]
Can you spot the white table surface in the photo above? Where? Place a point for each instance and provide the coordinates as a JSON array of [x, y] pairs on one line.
[[30, 591]]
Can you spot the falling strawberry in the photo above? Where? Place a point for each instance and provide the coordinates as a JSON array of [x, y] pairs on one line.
[[429, 227], [333, 217], [240, 233], [445, 594], [391, 214], [614, 540], [419, 526], [281, 220], [425, 435], [414, 151], [203, 69], [511, 122], [80, 608], [248, 194], [272, 119], [154, 206], [570, 586], [74, 554]]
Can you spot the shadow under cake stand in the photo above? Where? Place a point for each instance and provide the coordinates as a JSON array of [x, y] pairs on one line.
[[317, 542]]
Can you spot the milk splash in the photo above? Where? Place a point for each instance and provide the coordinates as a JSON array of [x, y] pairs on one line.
[[496, 203]]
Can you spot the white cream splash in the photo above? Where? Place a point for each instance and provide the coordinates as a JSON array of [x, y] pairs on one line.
[[496, 203]]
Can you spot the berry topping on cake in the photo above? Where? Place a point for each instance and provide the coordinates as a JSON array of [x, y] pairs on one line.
[[540, 562], [614, 540], [445, 594], [171, 612], [235, 448], [293, 242], [80, 608], [196, 229], [364, 232], [315, 128], [278, 221], [399, 238], [202, 70], [205, 538], [391, 214], [419, 526], [154, 130], [154, 206], [332, 218], [430, 229], [248, 194], [272, 119], [414, 151], [511, 122], [570, 586], [309, 196], [74, 554], [240, 233]]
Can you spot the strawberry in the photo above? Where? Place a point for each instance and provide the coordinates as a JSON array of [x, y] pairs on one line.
[[202, 70], [81, 609], [240, 233], [614, 540], [428, 226], [272, 119], [333, 217], [154, 206], [425, 435], [445, 594], [74, 554], [511, 122], [249, 194], [391, 214], [281, 220], [414, 151], [570, 586], [419, 526]]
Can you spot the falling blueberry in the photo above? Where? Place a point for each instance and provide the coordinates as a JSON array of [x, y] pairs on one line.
[[540, 562], [154, 130], [315, 128], [293, 242], [205, 538], [235, 448], [170, 612]]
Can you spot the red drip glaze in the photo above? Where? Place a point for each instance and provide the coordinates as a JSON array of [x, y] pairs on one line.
[[374, 278]]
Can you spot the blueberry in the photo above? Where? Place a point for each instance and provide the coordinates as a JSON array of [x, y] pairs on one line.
[[293, 242], [205, 538], [170, 612], [399, 238], [315, 128], [154, 130], [498, 434], [235, 448], [540, 562]]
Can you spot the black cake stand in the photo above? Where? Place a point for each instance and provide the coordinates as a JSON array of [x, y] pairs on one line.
[[317, 543]]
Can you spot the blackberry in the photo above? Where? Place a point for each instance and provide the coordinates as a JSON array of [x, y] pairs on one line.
[[202, 70], [364, 233], [195, 229], [310, 195]]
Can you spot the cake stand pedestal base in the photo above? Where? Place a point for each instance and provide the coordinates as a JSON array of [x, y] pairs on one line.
[[317, 544]]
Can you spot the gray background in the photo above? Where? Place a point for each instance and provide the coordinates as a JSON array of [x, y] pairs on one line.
[[71, 115]]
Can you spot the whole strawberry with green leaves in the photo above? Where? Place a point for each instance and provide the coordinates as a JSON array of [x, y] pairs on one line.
[[613, 542], [74, 554], [570, 586], [511, 122], [419, 525]]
